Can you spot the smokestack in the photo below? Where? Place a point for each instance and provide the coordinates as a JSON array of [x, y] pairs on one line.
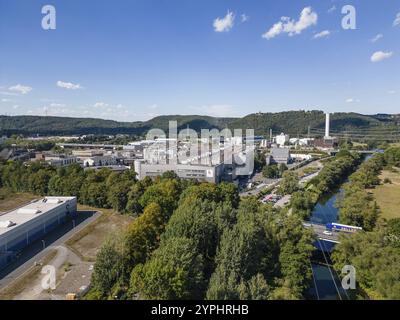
[[327, 123]]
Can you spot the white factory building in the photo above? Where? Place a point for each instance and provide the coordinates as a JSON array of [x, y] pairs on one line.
[[22, 226], [281, 139]]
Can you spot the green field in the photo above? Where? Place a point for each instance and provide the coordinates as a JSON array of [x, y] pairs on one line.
[[10, 200], [387, 195]]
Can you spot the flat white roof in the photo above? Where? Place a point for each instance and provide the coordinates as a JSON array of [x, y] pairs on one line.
[[30, 211]]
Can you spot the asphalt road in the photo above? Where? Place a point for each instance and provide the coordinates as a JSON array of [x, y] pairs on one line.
[[319, 231]]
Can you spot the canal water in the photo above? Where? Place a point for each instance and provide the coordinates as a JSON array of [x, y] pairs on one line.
[[326, 283]]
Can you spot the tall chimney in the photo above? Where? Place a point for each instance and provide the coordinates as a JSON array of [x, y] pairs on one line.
[[327, 120]]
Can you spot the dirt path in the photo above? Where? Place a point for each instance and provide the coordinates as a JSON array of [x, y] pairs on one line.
[[35, 291]]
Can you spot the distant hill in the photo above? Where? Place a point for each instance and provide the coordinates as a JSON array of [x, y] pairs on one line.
[[292, 122]]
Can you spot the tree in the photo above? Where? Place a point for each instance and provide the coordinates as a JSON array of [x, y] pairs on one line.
[[173, 272], [136, 191], [393, 232], [302, 204], [375, 259], [392, 156], [165, 193], [195, 219], [169, 175], [254, 289], [282, 168], [295, 245], [244, 251], [108, 266], [117, 195], [289, 183], [357, 208], [228, 192], [143, 234], [271, 171], [122, 252], [39, 181], [259, 161]]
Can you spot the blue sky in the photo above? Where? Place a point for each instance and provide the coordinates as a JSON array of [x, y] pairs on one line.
[[134, 59]]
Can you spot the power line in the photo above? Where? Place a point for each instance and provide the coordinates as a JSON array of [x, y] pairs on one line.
[[330, 271], [348, 298], [315, 283]]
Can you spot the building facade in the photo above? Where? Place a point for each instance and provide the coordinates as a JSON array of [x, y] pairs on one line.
[[206, 173], [278, 156]]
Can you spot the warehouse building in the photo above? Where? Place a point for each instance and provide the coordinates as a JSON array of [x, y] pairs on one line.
[[278, 156], [22, 226], [208, 173]]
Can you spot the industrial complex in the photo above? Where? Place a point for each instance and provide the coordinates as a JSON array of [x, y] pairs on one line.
[[211, 159]]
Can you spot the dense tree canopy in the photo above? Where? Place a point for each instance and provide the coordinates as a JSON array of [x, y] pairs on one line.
[[376, 257], [289, 183]]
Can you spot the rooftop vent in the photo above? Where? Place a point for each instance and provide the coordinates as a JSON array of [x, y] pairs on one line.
[[7, 224], [53, 200], [28, 211]]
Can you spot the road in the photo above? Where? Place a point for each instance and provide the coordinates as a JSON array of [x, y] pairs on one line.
[[283, 201], [268, 183], [34, 292], [319, 231]]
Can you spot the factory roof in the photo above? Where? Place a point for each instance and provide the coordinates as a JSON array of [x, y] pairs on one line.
[[34, 209], [280, 153]]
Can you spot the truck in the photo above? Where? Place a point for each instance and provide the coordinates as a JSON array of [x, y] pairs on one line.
[[338, 227]]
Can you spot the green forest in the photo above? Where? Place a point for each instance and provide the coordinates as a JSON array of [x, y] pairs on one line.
[[188, 240], [291, 122], [192, 240], [375, 253]]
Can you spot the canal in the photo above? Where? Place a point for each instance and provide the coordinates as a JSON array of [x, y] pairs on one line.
[[326, 284]]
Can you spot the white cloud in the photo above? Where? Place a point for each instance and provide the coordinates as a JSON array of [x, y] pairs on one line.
[[391, 91], [15, 107], [20, 89], [352, 100], [5, 100], [100, 105], [6, 93], [244, 17], [331, 9], [322, 34], [68, 85], [396, 21], [377, 37], [57, 105], [380, 55], [224, 24], [275, 30], [292, 27]]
